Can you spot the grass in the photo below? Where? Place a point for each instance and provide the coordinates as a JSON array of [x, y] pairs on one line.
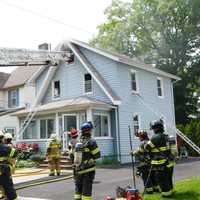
[[185, 190]]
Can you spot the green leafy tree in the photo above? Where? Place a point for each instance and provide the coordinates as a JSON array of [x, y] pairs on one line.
[[164, 33]]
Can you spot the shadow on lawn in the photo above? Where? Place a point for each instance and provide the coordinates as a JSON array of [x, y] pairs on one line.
[[187, 195]]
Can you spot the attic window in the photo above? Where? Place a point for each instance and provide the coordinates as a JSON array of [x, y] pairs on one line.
[[70, 59], [56, 89], [88, 83], [160, 87], [134, 81]]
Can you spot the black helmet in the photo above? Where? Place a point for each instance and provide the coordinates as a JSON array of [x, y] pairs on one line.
[[157, 124]]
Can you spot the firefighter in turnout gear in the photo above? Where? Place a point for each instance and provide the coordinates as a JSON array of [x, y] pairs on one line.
[[86, 152], [6, 153], [144, 167], [8, 140], [53, 155], [72, 143], [158, 148]]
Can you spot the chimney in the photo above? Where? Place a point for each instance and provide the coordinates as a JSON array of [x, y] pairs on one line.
[[44, 46]]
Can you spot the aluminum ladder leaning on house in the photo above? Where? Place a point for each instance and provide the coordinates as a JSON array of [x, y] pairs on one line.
[[178, 132], [24, 57]]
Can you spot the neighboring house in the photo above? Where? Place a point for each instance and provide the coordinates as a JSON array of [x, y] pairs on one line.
[[111, 90], [3, 78], [16, 93]]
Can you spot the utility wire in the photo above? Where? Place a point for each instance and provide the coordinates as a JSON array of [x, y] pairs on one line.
[[45, 16]]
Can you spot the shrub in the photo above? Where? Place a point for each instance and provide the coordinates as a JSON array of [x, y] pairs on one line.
[[108, 160], [39, 158], [25, 151], [192, 131], [26, 164]]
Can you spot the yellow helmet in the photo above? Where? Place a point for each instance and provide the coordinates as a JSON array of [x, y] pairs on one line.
[[8, 136]]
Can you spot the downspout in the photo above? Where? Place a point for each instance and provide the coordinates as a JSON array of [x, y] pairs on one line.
[[118, 133]]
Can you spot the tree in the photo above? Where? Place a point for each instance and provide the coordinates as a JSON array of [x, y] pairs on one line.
[[164, 33]]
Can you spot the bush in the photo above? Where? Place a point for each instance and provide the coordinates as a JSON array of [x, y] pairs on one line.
[[26, 164], [25, 151], [108, 160], [39, 158], [192, 131]]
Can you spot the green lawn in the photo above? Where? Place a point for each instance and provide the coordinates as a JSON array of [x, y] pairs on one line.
[[185, 190]]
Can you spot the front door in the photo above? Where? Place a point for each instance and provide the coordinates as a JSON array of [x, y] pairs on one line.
[[69, 121]]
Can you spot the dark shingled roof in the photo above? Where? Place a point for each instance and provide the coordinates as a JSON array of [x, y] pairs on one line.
[[3, 78], [20, 76]]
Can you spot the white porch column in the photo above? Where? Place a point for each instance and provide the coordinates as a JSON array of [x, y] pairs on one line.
[[89, 114], [57, 124]]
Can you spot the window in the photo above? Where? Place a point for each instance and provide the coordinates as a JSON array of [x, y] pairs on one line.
[[134, 84], [136, 126], [70, 59], [56, 89], [160, 87], [13, 98], [46, 128], [102, 125], [31, 131], [88, 83], [10, 130]]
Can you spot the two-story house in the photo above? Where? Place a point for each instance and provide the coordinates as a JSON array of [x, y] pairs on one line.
[[111, 90], [17, 92]]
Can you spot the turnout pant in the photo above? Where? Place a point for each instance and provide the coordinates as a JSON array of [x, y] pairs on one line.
[[83, 186], [163, 180], [147, 178], [170, 170], [54, 164], [7, 183]]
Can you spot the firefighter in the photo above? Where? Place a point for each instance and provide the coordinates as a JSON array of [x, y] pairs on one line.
[[86, 153], [8, 140], [159, 151], [53, 155], [6, 152], [144, 167], [172, 158], [72, 143]]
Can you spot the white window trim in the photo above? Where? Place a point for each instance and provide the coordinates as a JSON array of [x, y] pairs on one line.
[[22, 136], [52, 90], [70, 114], [14, 128], [139, 122], [109, 126], [137, 81], [44, 118], [162, 87], [92, 82]]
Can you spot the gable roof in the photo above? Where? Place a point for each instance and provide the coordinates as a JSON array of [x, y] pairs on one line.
[[3, 78], [135, 62], [21, 75], [95, 74]]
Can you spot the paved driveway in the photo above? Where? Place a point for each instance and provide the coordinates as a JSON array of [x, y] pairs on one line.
[[105, 183]]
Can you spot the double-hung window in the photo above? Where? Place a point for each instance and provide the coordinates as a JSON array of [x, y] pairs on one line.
[[47, 127], [13, 98], [102, 125], [31, 130], [88, 83], [134, 81], [160, 87], [136, 123], [56, 89]]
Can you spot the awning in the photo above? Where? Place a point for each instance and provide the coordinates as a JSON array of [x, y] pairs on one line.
[[75, 103]]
